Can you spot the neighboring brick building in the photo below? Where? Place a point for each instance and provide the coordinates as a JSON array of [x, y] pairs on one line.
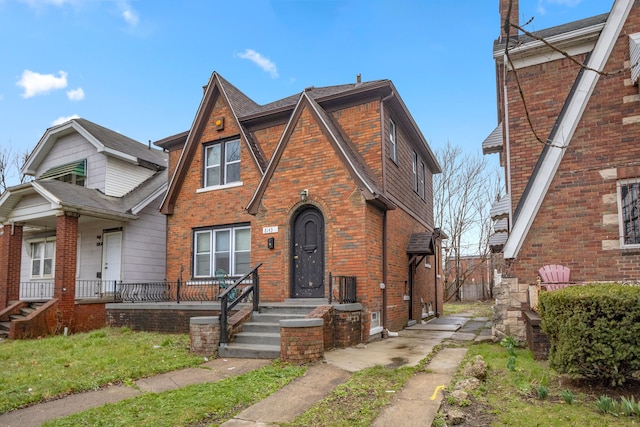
[[474, 274], [333, 180], [574, 200]]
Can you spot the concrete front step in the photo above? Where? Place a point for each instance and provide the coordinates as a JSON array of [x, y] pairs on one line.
[[261, 327], [250, 351], [275, 317], [270, 338]]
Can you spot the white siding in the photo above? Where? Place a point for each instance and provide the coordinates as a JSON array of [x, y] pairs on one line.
[[122, 177], [91, 249], [144, 246], [72, 148], [30, 206]]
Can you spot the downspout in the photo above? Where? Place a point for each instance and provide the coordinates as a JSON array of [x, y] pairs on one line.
[[383, 285], [436, 235], [384, 272], [506, 139]]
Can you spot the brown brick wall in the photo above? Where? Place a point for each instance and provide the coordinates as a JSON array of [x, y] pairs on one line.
[[301, 345], [89, 316], [65, 269], [576, 224], [11, 255], [174, 321]]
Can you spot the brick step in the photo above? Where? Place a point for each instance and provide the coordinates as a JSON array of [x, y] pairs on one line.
[[4, 327], [25, 311]]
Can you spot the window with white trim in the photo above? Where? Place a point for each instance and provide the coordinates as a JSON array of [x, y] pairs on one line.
[[423, 174], [393, 143], [43, 253], [628, 211], [222, 163], [414, 165], [225, 248]]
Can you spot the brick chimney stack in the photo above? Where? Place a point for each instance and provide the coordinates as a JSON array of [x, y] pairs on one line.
[[515, 12]]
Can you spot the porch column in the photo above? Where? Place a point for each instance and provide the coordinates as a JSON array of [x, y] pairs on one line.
[[10, 260], [65, 273]]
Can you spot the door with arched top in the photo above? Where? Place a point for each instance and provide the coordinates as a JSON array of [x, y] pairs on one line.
[[307, 252]]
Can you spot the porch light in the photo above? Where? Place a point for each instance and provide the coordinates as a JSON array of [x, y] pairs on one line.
[[304, 194]]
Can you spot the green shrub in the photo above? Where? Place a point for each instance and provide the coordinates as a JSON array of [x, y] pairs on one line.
[[542, 392], [567, 396], [593, 330]]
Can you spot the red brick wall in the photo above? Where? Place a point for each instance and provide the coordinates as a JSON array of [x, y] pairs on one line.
[[301, 345], [65, 270], [158, 320], [576, 225], [89, 316], [10, 256]]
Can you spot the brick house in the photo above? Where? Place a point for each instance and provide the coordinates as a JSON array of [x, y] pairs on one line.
[[474, 274], [573, 198], [88, 220], [333, 181]]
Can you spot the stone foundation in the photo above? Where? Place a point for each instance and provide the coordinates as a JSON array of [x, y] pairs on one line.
[[512, 298]]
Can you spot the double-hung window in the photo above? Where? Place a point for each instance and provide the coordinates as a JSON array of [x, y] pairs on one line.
[[393, 143], [42, 258], [423, 188], [629, 209], [222, 163], [414, 165], [225, 248]]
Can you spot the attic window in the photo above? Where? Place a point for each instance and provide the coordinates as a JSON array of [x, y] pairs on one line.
[[73, 173]]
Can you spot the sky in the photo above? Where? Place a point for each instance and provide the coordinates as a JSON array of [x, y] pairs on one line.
[[138, 66]]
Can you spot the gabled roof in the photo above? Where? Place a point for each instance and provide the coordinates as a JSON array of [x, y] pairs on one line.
[[73, 198], [421, 244], [564, 128], [236, 100], [247, 114], [104, 140], [351, 159]]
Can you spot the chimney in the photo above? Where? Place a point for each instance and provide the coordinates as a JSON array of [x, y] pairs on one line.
[[358, 78], [513, 17]]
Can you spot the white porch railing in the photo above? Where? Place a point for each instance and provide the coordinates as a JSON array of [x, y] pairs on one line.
[[85, 289]]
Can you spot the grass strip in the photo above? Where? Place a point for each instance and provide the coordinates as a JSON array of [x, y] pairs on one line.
[[358, 401], [43, 369], [200, 404]]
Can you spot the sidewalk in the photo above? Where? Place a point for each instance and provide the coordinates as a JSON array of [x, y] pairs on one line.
[[420, 397]]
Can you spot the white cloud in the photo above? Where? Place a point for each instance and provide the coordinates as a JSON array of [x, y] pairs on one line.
[[37, 84], [130, 16], [260, 61], [75, 94], [38, 4], [61, 120]]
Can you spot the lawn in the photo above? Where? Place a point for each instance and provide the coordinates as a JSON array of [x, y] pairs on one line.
[[532, 394], [43, 369]]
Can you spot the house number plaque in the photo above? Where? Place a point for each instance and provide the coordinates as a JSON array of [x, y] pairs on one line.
[[270, 230]]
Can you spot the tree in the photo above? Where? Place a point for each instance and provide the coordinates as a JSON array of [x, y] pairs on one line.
[[11, 162], [463, 194]]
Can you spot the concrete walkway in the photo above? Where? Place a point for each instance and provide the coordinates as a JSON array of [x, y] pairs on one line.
[[420, 397]]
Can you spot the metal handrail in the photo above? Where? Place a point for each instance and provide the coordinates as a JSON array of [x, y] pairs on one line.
[[346, 286], [226, 306]]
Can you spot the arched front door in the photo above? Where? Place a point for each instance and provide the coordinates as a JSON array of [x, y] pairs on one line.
[[307, 252]]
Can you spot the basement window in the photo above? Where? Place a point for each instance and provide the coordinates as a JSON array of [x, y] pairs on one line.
[[628, 213], [376, 326]]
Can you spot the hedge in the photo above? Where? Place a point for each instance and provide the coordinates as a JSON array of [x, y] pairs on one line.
[[594, 330]]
